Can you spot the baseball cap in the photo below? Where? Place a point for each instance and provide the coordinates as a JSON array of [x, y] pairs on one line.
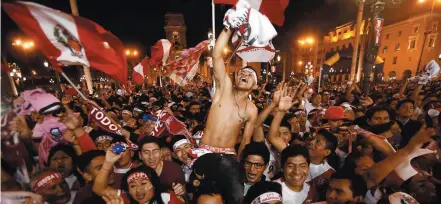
[[335, 113]]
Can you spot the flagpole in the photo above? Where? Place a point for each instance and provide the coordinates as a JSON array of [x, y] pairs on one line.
[[73, 85], [319, 80], [86, 69], [213, 22], [213, 27]]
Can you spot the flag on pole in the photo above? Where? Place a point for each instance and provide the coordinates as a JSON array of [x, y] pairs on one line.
[[140, 71], [160, 52], [185, 67], [70, 40], [273, 9]]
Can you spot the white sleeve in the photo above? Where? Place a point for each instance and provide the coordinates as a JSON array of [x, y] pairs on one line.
[[165, 197]]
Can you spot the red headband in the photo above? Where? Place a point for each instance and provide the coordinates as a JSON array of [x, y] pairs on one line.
[[45, 180], [137, 176]]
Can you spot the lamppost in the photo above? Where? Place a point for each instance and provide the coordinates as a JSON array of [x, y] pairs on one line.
[[427, 32], [377, 8], [26, 45], [309, 67], [131, 54]]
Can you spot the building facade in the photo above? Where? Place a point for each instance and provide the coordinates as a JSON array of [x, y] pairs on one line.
[[402, 47]]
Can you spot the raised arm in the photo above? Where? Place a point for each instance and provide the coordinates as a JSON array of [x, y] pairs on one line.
[[285, 104], [416, 92], [218, 58], [100, 186], [403, 88], [259, 135], [380, 170]]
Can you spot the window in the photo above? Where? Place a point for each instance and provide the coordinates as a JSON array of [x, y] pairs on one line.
[[394, 61], [397, 47], [387, 36], [432, 41], [412, 44], [435, 26], [399, 33], [384, 49], [415, 29]]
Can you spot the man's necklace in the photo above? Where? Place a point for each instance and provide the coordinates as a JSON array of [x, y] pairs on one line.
[[238, 108]]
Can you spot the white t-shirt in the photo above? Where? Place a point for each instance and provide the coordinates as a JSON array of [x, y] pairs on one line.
[[317, 170], [292, 197], [308, 106]]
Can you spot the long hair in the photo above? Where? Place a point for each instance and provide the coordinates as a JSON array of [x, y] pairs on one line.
[[154, 179]]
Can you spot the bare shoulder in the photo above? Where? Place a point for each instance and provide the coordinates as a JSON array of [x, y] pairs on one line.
[[252, 110]]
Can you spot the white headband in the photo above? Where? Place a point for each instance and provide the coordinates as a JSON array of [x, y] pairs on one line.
[[267, 197], [179, 143], [252, 72]]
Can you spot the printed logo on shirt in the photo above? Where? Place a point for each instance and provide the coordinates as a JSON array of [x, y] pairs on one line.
[[56, 134]]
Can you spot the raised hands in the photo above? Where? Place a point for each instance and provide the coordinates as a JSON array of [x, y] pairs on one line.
[[112, 157], [72, 120], [286, 97], [424, 135]]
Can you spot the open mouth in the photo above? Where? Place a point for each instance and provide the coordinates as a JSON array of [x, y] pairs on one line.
[[140, 196], [252, 176], [244, 79]]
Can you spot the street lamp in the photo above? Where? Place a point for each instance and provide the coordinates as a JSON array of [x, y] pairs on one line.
[[131, 52], [46, 64], [377, 7], [23, 44]]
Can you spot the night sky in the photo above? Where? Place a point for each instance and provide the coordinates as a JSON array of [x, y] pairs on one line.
[[140, 23]]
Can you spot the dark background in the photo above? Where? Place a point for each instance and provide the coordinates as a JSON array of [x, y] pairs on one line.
[[140, 23]]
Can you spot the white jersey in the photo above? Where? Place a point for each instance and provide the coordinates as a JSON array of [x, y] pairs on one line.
[[292, 197]]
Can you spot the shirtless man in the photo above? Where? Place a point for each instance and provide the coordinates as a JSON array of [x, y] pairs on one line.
[[230, 110]]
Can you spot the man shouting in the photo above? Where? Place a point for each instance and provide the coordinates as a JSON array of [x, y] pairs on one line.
[[231, 110]]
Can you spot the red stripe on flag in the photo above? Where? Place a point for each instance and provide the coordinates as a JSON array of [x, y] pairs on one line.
[[112, 60], [29, 25]]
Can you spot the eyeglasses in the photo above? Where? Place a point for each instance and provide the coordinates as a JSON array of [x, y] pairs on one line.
[[248, 164]]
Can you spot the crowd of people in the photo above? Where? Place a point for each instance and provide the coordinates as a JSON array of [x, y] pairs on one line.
[[248, 143]]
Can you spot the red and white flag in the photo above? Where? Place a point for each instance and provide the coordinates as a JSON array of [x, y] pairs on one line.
[[169, 122], [140, 71], [273, 9], [256, 54], [70, 40], [160, 53], [185, 67]]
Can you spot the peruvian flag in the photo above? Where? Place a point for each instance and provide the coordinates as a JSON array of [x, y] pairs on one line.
[[140, 71], [160, 53], [70, 40], [273, 9], [185, 67]]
